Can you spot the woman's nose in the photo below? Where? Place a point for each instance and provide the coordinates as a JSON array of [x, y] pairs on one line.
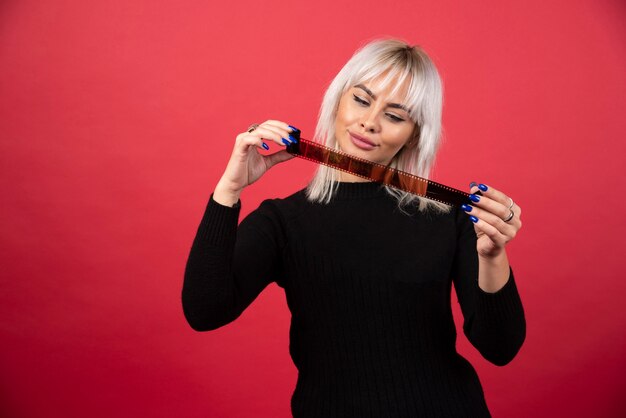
[[369, 122]]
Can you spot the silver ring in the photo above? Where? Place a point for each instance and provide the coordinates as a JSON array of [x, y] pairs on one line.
[[253, 127], [511, 215], [511, 205]]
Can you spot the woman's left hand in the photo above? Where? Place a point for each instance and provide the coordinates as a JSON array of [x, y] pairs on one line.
[[496, 219]]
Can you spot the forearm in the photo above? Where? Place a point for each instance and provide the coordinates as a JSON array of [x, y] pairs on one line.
[[225, 195], [497, 326], [493, 273], [208, 287]]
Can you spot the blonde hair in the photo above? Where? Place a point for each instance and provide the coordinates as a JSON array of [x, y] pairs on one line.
[[424, 98]]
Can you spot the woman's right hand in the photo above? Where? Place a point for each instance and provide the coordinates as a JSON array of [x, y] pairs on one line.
[[247, 165]]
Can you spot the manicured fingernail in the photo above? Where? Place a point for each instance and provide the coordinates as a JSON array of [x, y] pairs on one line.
[[293, 139], [474, 198], [472, 184], [466, 208], [265, 146], [294, 128], [286, 142], [473, 218], [483, 187]]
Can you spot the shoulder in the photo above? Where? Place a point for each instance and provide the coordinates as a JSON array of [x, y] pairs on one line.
[[274, 216], [285, 208], [455, 219]]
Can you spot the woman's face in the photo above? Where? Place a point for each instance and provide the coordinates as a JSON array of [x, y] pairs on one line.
[[372, 124]]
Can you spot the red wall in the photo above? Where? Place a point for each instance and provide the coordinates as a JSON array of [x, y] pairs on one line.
[[117, 119]]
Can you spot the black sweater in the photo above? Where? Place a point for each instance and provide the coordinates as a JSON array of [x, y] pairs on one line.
[[368, 287]]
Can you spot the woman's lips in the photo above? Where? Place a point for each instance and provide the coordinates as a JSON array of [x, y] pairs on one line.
[[361, 142]]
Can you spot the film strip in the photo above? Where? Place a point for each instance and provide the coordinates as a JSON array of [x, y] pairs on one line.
[[402, 180]]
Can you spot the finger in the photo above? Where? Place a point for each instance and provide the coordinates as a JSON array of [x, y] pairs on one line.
[[278, 157], [283, 128], [245, 140], [497, 196], [279, 124], [493, 194], [491, 206], [515, 208], [267, 133], [284, 134], [491, 231], [508, 229]]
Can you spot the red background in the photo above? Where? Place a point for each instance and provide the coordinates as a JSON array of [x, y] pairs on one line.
[[117, 119]]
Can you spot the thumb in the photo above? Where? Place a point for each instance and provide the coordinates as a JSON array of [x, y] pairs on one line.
[[277, 157]]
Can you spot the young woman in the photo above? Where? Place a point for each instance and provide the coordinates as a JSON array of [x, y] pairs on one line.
[[367, 269]]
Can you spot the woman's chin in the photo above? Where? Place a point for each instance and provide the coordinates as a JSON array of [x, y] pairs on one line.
[[351, 149]]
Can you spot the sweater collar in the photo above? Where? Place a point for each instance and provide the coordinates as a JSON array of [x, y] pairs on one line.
[[348, 190]]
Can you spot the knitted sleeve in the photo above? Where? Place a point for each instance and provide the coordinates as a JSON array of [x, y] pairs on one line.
[[493, 322], [229, 265]]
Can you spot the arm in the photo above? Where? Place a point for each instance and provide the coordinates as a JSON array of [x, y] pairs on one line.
[[228, 266], [494, 322]]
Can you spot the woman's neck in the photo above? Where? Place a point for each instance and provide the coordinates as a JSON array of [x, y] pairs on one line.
[[351, 178]]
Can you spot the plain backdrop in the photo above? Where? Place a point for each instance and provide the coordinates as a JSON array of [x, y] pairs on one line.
[[117, 119]]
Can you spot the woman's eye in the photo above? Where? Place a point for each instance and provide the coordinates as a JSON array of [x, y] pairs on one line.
[[394, 118], [359, 100], [363, 102]]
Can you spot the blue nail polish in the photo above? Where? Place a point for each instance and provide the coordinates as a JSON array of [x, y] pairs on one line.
[[474, 198], [483, 187], [294, 140], [294, 128], [466, 208], [473, 218], [472, 184], [285, 141], [265, 146]]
